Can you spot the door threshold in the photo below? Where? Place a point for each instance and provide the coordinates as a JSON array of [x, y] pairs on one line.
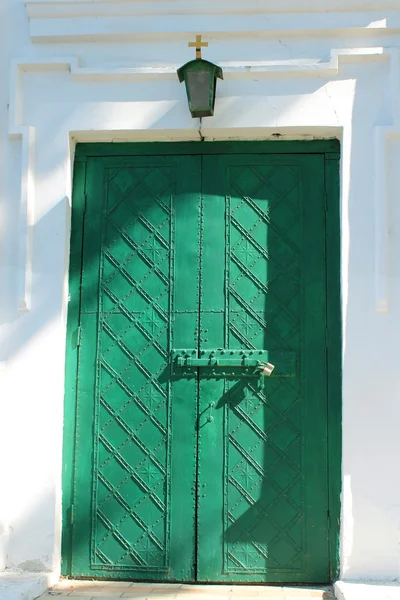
[[111, 590]]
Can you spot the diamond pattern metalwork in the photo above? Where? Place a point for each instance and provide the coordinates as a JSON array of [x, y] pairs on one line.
[[262, 431], [131, 478], [264, 487]]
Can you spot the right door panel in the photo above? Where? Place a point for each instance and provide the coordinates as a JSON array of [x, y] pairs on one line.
[[262, 463]]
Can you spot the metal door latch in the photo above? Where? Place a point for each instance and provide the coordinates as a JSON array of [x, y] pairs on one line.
[[234, 363]]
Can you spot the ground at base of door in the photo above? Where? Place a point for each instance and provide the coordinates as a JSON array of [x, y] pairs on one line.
[[30, 586], [96, 590]]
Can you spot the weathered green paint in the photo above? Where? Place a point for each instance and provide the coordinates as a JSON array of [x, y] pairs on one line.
[[220, 477]]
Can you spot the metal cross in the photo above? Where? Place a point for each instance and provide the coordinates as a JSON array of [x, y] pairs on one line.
[[198, 44]]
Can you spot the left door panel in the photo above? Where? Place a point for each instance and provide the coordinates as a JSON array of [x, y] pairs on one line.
[[135, 452]]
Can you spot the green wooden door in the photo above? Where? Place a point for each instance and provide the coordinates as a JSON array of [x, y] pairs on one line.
[[187, 464]]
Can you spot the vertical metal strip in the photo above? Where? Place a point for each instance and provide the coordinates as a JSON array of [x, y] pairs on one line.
[[72, 360], [225, 426], [334, 356], [172, 209], [200, 260], [227, 256], [198, 345], [302, 261], [97, 377]]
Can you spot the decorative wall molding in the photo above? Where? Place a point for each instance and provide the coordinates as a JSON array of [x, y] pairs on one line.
[[66, 8], [121, 20], [232, 70], [18, 130], [303, 68]]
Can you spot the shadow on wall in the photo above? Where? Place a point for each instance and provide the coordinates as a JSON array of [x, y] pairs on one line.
[[32, 446], [47, 289]]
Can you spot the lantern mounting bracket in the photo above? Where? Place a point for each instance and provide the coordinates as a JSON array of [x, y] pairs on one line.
[[202, 138]]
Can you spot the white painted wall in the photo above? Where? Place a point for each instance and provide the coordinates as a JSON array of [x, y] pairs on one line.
[[105, 70]]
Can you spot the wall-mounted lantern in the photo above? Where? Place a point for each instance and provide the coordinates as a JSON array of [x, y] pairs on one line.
[[200, 77]]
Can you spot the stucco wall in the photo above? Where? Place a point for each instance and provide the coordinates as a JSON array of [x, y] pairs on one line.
[[104, 71]]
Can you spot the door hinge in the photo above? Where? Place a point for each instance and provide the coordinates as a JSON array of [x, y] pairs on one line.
[[84, 202], [72, 513], [79, 336]]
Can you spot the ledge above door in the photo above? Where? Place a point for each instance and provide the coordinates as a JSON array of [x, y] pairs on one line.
[[124, 20]]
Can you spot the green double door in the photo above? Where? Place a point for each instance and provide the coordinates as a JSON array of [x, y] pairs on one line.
[[190, 463]]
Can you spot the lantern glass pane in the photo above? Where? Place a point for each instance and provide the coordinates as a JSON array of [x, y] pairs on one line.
[[199, 83]]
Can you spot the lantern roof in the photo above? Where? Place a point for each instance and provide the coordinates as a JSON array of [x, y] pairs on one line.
[[197, 65]]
